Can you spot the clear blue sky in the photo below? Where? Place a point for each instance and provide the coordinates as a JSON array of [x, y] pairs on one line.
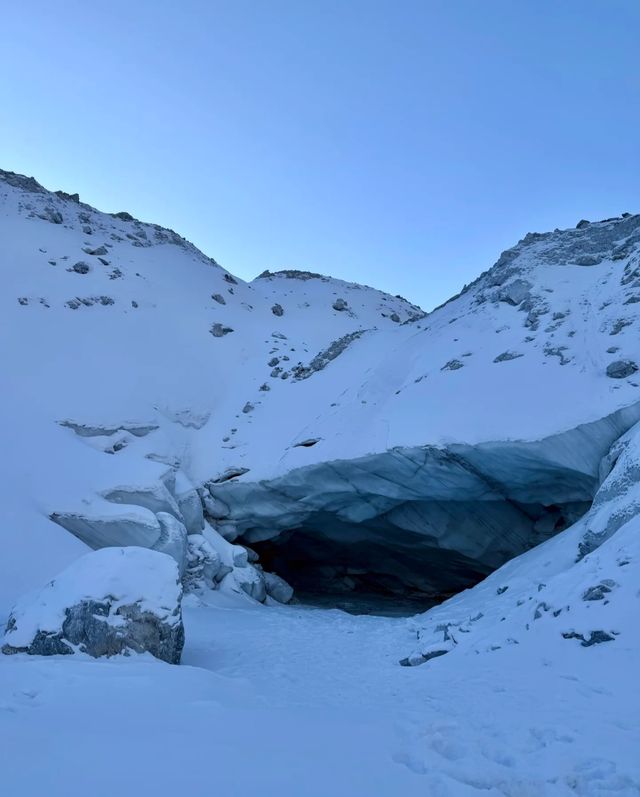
[[402, 144]]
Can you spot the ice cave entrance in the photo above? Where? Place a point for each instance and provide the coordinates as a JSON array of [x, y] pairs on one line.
[[381, 568], [398, 531]]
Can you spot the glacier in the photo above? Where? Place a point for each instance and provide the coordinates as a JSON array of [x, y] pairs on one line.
[[434, 520], [292, 444]]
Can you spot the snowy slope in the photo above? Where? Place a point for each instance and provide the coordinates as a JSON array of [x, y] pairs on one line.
[[107, 323], [140, 369], [521, 354], [142, 378]]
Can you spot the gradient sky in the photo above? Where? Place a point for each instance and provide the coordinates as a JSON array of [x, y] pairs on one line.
[[397, 143]]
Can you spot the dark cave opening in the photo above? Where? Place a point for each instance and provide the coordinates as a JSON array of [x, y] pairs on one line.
[[379, 567]]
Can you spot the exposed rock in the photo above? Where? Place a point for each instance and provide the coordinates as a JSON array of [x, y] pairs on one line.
[[595, 638], [340, 305], [621, 369], [29, 184], [220, 330], [80, 268], [109, 602], [323, 358], [292, 273], [218, 297], [99, 251], [452, 365], [308, 442], [277, 309], [587, 260], [515, 293], [52, 215], [619, 325], [416, 660], [69, 197], [557, 351], [89, 301], [600, 591], [506, 356]]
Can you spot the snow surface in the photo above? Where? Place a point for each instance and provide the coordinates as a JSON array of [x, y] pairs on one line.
[[297, 701], [130, 385]]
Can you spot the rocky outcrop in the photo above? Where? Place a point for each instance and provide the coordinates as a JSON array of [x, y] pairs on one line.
[[621, 369], [109, 602]]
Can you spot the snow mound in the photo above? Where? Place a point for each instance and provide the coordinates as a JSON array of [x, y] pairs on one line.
[[111, 601]]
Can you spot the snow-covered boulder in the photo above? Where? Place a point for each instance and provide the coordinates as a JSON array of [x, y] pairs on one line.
[[108, 602]]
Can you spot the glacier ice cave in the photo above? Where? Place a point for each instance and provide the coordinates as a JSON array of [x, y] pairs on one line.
[[418, 524]]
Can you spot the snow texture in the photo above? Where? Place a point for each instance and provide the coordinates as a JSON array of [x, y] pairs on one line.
[[495, 440]]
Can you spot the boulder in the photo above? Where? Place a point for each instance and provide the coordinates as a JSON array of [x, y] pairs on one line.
[[621, 369], [220, 330], [515, 292], [108, 602], [506, 356]]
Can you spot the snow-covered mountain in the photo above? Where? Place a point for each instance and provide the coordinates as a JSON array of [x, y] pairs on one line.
[[129, 354], [358, 446]]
